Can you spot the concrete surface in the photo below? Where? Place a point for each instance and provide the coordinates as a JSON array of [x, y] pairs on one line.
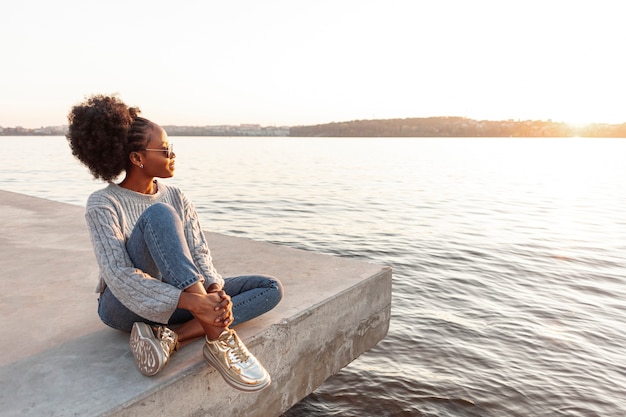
[[58, 359]]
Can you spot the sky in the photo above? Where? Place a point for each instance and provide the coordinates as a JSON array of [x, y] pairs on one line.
[[291, 62]]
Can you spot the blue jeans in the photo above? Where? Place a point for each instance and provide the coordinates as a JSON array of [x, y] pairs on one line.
[[157, 246]]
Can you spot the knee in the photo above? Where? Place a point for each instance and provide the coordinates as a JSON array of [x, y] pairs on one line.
[[161, 209], [161, 213], [277, 288]]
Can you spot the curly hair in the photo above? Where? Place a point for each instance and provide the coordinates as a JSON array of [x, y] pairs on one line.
[[103, 131]]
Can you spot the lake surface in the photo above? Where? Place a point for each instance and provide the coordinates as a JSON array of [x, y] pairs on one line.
[[508, 256]]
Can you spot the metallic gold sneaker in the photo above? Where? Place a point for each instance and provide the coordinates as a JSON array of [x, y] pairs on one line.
[[152, 347], [238, 366]]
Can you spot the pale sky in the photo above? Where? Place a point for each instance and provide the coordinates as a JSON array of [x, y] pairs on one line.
[[290, 62]]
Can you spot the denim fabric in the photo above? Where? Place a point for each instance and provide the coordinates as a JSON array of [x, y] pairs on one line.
[[157, 246], [252, 295]]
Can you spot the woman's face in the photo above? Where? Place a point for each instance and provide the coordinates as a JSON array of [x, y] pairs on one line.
[[158, 155]]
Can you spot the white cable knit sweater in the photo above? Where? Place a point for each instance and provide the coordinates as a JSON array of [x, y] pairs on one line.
[[111, 216]]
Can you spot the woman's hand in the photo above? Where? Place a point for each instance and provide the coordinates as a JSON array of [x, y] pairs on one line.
[[225, 306], [214, 307]]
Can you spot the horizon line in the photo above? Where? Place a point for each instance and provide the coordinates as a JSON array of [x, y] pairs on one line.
[[517, 120]]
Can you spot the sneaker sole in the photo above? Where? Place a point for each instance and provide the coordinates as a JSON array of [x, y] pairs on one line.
[[233, 382], [146, 349]]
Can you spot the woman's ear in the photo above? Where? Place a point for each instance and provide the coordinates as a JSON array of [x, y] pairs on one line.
[[136, 159]]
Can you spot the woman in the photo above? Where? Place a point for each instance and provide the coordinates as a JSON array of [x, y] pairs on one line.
[[155, 264]]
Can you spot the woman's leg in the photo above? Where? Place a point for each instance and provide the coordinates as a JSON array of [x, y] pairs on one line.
[[115, 314], [157, 246], [252, 295]]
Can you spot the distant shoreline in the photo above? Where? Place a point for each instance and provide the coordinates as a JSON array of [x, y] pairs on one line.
[[458, 127], [411, 127]]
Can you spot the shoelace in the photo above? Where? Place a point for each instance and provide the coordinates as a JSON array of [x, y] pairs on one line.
[[237, 351], [167, 337]]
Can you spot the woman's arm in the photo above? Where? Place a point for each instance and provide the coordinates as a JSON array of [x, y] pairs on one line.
[[138, 291]]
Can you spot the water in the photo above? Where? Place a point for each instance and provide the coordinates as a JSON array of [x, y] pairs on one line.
[[509, 257]]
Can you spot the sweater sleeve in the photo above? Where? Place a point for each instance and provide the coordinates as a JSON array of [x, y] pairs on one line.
[[198, 245], [141, 293]]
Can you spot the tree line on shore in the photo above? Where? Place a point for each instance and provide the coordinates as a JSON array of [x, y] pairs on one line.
[[411, 127], [457, 127]]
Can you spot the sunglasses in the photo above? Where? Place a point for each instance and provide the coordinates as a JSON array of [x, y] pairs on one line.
[[169, 151]]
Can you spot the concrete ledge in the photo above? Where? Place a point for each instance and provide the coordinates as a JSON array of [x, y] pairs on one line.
[[60, 360]]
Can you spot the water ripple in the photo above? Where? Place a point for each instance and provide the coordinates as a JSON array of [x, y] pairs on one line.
[[509, 270]]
